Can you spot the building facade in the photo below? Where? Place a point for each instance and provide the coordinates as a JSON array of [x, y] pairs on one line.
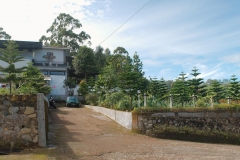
[[52, 61]]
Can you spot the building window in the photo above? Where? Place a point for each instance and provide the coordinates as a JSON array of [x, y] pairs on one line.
[[50, 53], [45, 72], [57, 73]]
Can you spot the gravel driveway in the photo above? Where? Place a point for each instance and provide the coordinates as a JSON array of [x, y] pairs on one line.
[[80, 133]]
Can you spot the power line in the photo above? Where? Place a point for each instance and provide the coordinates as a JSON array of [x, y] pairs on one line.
[[125, 22]]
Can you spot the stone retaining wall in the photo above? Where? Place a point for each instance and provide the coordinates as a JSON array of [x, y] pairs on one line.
[[19, 120], [217, 126], [225, 121]]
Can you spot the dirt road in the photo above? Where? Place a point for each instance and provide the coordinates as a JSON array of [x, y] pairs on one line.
[[80, 133]]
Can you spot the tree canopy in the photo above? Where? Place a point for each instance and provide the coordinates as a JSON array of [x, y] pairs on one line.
[[33, 81], [84, 62], [11, 55], [62, 33], [4, 35]]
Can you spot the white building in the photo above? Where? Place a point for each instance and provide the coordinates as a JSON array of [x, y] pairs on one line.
[[52, 61]]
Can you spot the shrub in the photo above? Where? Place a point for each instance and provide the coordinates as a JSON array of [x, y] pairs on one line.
[[113, 99], [135, 104], [202, 102], [123, 104], [92, 99], [4, 91]]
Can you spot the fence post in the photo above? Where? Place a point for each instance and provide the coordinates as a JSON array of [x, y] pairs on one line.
[[42, 140]]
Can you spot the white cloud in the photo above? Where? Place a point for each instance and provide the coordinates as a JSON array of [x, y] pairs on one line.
[[169, 37], [234, 58]]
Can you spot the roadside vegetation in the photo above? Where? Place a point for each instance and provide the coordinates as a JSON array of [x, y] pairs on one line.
[[114, 79]]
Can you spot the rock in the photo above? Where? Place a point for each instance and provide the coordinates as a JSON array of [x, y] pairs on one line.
[[35, 139], [25, 130], [32, 115], [29, 110], [6, 103], [1, 130], [26, 138], [7, 132], [15, 118], [5, 113], [17, 129], [1, 118], [2, 107], [35, 131], [13, 110], [21, 110], [149, 126]]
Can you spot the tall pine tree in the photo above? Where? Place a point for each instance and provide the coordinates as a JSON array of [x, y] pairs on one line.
[[196, 84], [216, 90], [234, 88], [180, 89], [11, 55]]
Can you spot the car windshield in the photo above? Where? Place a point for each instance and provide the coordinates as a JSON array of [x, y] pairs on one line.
[[72, 98]]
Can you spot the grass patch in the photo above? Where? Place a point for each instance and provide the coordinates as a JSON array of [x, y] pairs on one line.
[[217, 107]]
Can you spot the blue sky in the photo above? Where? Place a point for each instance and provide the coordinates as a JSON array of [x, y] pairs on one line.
[[169, 36]]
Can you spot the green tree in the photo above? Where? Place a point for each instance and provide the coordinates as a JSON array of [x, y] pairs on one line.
[[83, 88], [142, 82], [91, 84], [158, 88], [107, 80], [33, 81], [154, 87], [107, 54], [4, 35], [180, 89], [216, 90], [197, 84], [62, 33], [234, 88], [137, 64], [128, 83], [169, 83], [11, 55], [163, 88], [119, 59], [84, 62], [120, 50], [100, 58], [70, 82]]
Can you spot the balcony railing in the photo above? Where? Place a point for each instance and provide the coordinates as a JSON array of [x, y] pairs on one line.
[[50, 64]]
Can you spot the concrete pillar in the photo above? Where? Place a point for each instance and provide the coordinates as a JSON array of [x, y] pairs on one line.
[[145, 99], [228, 100], [42, 139]]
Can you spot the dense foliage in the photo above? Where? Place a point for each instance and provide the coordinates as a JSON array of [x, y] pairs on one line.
[[120, 74], [4, 35], [11, 55], [62, 33], [115, 79]]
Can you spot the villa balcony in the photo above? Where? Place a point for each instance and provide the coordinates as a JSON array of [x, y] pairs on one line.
[[45, 64]]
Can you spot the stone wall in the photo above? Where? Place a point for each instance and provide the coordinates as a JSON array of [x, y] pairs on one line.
[[18, 120], [224, 121]]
